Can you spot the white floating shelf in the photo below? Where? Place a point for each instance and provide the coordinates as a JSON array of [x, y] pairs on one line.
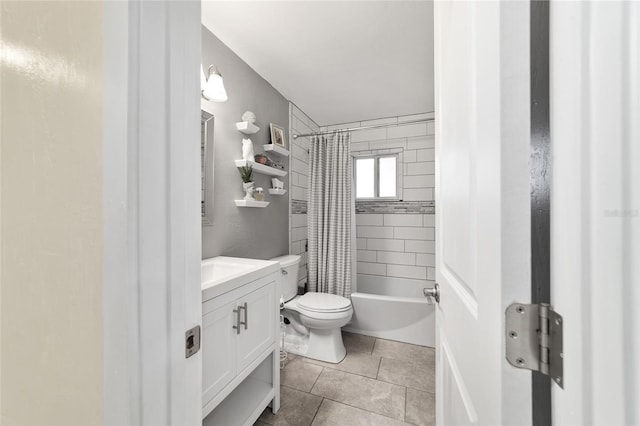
[[273, 191], [277, 149], [248, 203], [261, 168], [247, 128]]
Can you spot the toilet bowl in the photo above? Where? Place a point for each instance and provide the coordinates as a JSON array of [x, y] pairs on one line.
[[315, 318]]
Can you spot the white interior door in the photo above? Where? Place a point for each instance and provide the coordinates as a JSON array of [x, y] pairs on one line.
[[595, 208], [152, 214], [482, 213]]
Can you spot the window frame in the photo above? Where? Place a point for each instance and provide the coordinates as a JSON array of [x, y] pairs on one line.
[[376, 175]]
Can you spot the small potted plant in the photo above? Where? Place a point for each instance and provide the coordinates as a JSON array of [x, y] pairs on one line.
[[246, 172]]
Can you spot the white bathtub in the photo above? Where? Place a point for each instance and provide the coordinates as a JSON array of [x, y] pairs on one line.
[[394, 309]]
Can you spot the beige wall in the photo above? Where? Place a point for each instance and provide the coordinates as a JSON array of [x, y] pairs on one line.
[[51, 220]]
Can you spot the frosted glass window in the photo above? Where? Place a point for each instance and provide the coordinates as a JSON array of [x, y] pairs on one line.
[[376, 177], [387, 176], [365, 178]]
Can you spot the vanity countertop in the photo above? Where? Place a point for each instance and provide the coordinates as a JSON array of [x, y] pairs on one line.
[[222, 274]]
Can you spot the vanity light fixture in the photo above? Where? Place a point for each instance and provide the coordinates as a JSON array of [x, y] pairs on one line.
[[212, 85]]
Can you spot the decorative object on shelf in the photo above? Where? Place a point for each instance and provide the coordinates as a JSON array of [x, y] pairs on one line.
[[277, 183], [259, 194], [212, 86], [249, 117], [247, 184], [261, 158], [274, 164], [247, 149], [277, 136], [249, 189]]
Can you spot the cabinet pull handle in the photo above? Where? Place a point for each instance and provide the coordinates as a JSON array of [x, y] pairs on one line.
[[237, 326], [246, 315]]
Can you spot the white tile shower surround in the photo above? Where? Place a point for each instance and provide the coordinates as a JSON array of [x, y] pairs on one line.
[[380, 382], [395, 244], [416, 143]]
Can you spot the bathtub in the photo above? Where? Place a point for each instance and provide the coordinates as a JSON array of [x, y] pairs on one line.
[[394, 309]]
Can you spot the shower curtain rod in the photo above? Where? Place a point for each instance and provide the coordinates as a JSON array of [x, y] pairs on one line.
[[352, 129]]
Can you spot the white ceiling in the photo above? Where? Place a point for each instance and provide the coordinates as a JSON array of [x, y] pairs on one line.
[[339, 61]]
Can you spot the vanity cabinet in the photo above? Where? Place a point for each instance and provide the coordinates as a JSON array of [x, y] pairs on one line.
[[240, 353]]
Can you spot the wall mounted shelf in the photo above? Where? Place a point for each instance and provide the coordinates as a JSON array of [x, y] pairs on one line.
[[248, 203], [273, 191], [247, 128], [261, 168], [277, 149]]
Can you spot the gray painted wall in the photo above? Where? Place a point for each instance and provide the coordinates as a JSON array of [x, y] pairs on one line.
[[243, 232]]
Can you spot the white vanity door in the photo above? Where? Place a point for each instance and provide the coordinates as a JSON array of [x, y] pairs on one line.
[[260, 316], [219, 350]]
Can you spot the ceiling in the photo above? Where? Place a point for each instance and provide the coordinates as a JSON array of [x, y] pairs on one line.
[[339, 61]]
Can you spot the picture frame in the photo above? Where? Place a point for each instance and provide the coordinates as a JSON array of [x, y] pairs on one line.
[[277, 135]]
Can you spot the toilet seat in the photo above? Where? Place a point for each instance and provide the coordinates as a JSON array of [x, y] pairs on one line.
[[324, 303]]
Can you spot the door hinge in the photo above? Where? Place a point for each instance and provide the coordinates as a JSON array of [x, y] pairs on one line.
[[191, 341], [534, 339]]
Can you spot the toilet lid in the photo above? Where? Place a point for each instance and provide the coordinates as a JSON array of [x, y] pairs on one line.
[[324, 302]]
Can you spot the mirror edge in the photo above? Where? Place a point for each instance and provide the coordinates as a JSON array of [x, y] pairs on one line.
[[208, 169]]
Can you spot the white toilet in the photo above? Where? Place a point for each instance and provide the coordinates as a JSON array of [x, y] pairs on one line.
[[315, 319]]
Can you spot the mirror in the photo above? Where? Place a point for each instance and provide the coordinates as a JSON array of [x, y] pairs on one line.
[[206, 162]]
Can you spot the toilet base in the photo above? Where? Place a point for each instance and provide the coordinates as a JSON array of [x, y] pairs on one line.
[[320, 344], [326, 345]]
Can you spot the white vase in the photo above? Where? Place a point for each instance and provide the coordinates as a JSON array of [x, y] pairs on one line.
[[247, 150], [249, 189]]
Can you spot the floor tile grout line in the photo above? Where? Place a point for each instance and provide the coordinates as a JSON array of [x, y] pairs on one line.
[[406, 395], [344, 371], [317, 410], [361, 409], [360, 375], [405, 386], [316, 380]]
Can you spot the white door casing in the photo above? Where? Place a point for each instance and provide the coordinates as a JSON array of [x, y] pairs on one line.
[[595, 208], [152, 219], [482, 213]]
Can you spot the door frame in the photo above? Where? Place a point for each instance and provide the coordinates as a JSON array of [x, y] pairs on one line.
[[152, 223], [595, 208], [540, 170]]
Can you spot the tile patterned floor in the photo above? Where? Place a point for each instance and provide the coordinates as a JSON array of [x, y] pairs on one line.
[[380, 382]]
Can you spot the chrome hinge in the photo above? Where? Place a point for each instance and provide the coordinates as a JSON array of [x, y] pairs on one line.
[[534, 339]]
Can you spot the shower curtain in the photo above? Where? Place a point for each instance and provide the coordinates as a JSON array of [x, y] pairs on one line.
[[329, 214]]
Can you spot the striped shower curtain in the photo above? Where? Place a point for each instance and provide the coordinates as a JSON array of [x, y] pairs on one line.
[[329, 214]]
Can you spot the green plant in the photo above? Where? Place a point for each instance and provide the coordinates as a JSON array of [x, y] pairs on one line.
[[246, 172]]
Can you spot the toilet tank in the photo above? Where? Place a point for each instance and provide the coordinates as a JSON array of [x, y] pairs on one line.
[[288, 283]]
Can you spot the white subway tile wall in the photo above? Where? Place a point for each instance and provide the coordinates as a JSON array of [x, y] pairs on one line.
[[410, 253], [399, 244], [396, 244]]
